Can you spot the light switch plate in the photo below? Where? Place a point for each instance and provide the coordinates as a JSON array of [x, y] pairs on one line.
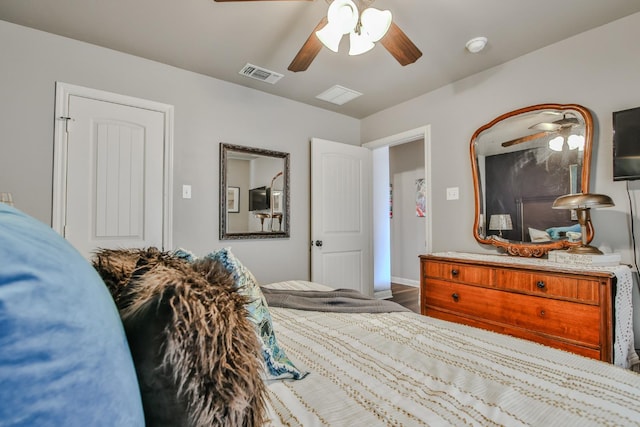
[[186, 191], [453, 193]]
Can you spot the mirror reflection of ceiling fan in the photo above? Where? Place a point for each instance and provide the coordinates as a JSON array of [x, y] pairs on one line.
[[344, 17], [557, 127]]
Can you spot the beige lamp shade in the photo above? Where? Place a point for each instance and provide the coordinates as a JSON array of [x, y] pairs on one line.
[[500, 222]]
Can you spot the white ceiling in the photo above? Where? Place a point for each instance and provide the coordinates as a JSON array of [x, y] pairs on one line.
[[218, 39]]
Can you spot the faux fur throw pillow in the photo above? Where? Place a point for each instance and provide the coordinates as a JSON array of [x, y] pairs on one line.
[[196, 352]]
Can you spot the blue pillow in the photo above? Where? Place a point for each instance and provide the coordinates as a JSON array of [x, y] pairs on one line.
[[277, 363], [64, 358]]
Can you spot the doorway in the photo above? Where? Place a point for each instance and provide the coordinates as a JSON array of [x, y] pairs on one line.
[[112, 170], [381, 203], [341, 215]]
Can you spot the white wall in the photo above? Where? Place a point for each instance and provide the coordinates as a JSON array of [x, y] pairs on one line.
[[598, 69], [207, 112]]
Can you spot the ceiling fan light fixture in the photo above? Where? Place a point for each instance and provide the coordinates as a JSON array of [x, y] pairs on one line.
[[343, 18], [375, 23], [330, 37], [359, 44], [343, 14]]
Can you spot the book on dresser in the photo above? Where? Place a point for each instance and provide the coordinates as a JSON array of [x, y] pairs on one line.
[[566, 307]]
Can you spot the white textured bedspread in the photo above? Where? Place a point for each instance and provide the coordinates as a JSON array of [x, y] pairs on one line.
[[403, 369]]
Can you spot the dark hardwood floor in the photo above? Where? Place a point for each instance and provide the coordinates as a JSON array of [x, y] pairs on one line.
[[407, 296]]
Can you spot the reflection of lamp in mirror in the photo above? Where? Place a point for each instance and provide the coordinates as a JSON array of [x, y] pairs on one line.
[[500, 222], [271, 202], [582, 204]]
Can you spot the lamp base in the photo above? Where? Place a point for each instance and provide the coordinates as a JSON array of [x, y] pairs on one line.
[[584, 250]]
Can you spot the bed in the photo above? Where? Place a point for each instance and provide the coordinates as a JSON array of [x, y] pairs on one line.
[[402, 368], [184, 345]]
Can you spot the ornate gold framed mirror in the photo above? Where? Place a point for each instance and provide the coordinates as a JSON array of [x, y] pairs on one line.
[[521, 162], [254, 193]]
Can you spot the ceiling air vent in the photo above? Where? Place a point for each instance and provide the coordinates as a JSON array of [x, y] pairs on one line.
[[260, 73]]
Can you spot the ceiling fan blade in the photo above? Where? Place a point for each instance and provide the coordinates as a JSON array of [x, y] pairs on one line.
[[400, 46], [565, 122], [546, 126], [309, 49], [526, 138]]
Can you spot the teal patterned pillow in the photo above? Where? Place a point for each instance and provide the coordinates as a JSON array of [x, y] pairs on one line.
[[184, 254], [277, 363]]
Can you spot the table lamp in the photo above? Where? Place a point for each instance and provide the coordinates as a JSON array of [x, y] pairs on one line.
[[582, 204], [500, 222]]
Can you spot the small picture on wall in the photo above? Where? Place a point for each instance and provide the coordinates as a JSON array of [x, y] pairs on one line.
[[390, 200], [233, 199], [421, 197]]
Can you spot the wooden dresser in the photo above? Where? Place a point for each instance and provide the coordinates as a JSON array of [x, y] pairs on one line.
[[564, 308]]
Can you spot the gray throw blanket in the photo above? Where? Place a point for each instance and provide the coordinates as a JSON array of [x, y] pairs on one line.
[[339, 300]]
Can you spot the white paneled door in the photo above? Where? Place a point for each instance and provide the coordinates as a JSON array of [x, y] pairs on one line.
[[341, 252], [114, 175]]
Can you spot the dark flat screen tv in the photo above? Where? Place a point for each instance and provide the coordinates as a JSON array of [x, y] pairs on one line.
[[259, 198], [626, 144]]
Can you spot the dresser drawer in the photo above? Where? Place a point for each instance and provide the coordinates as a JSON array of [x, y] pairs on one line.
[[459, 272], [572, 321], [551, 285]]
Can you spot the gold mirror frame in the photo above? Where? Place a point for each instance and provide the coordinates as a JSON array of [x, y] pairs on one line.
[[522, 248]]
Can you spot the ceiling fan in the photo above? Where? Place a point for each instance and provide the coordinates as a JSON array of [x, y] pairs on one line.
[[558, 127], [394, 40]]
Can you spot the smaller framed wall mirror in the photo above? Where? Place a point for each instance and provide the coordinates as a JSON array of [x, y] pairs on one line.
[[522, 161], [254, 193]]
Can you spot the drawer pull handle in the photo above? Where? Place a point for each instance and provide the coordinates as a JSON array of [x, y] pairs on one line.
[[542, 313], [455, 272], [540, 284], [455, 297]]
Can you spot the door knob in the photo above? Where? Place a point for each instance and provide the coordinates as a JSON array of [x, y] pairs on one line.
[[318, 243]]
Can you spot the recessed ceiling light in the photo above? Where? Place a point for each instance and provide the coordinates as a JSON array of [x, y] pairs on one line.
[[476, 44]]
